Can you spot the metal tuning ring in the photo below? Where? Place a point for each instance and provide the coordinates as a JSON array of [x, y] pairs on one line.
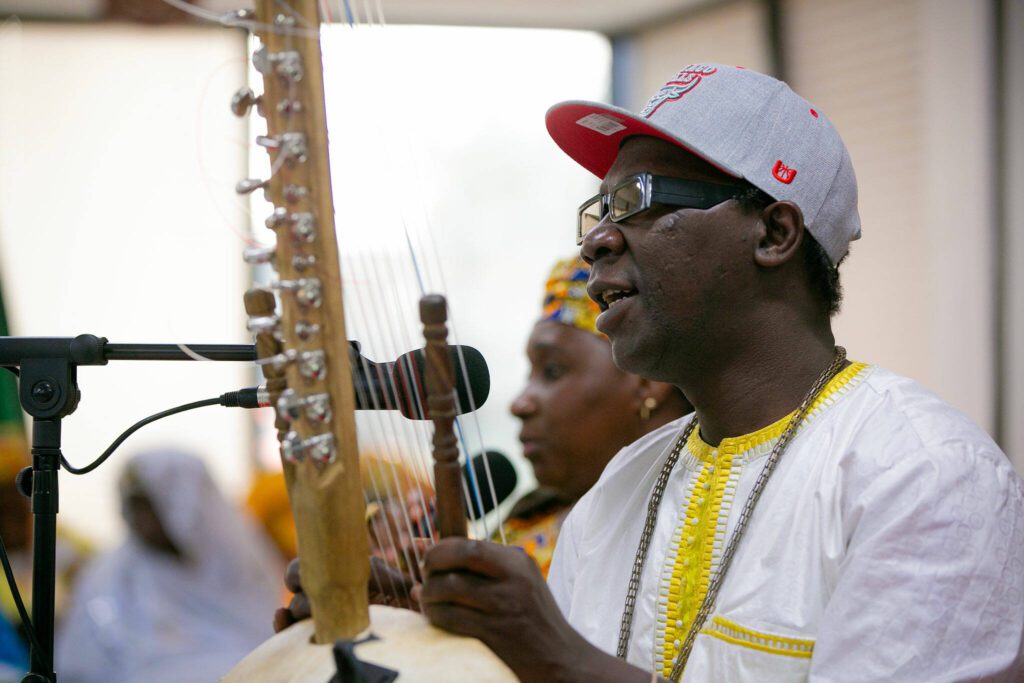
[[302, 225], [301, 263], [287, 64], [294, 147], [289, 405], [289, 107], [321, 447], [312, 365], [244, 100], [294, 193], [308, 291], [318, 408], [292, 449], [305, 330]]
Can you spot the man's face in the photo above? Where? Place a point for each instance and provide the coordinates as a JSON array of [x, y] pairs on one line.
[[672, 282]]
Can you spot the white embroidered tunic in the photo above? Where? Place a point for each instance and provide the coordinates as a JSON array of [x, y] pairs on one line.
[[887, 545]]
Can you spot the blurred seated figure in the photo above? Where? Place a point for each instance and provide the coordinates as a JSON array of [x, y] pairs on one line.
[[577, 409], [184, 598]]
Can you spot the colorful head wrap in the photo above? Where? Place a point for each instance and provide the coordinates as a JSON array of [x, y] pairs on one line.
[[565, 296]]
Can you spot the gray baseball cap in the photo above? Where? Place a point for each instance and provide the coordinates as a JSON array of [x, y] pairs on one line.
[[745, 123]]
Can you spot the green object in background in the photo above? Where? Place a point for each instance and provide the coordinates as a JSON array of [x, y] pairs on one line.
[[13, 447]]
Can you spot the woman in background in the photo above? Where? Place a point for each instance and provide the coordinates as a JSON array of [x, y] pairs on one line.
[[184, 598]]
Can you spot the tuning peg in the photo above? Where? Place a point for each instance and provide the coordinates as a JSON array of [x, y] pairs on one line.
[[302, 225], [287, 64], [312, 364], [291, 406], [302, 263], [291, 145], [321, 447], [292, 448], [249, 185], [308, 291], [245, 99], [263, 323], [306, 330], [257, 256], [293, 193]]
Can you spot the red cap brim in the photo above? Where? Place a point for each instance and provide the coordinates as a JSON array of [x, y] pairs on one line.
[[595, 150]]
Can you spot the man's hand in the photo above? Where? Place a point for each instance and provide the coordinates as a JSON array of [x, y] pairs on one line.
[[387, 586], [298, 609], [497, 594]]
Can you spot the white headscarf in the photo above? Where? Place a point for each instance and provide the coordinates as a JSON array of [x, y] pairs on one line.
[[141, 614]]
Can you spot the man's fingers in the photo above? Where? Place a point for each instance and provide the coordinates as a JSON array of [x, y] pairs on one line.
[[457, 619], [291, 576], [479, 557], [282, 619], [457, 588], [299, 607]]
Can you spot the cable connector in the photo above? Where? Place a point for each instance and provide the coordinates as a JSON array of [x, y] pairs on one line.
[[251, 397]]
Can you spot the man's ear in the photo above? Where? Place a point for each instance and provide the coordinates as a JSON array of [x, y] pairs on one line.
[[781, 236]]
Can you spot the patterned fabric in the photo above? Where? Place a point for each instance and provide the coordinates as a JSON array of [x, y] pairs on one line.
[[537, 534], [533, 524], [887, 546], [565, 296]]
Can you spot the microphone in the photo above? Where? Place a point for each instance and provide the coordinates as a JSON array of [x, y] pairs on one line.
[[398, 385], [407, 386], [474, 475]]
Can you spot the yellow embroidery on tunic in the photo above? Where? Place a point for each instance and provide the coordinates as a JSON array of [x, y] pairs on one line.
[[692, 570], [699, 537], [731, 632]]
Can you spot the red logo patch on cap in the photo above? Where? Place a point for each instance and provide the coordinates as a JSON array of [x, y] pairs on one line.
[[783, 173], [685, 81]]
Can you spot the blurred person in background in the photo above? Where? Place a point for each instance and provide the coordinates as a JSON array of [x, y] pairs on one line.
[[184, 598]]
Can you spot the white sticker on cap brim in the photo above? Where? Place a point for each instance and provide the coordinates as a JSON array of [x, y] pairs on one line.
[[600, 123]]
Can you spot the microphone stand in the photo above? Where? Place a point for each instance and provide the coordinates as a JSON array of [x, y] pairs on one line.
[[48, 391]]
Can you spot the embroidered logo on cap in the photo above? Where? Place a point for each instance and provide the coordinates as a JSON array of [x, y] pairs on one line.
[[685, 81], [783, 173]]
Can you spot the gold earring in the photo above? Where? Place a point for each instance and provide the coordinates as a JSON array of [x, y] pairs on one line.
[[647, 407]]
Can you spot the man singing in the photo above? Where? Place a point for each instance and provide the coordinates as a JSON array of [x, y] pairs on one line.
[[815, 518]]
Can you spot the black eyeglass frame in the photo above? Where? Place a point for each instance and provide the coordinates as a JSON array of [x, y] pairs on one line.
[[691, 194]]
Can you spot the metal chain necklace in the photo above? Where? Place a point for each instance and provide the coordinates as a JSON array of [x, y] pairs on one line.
[[741, 523]]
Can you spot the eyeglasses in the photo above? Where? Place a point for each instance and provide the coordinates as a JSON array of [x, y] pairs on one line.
[[638, 192]]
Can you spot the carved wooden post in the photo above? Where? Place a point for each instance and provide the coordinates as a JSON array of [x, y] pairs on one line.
[[439, 381]]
